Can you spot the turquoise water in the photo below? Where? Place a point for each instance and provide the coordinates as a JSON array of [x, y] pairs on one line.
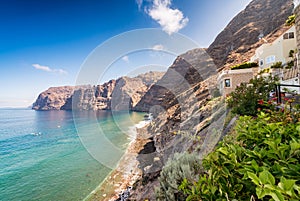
[[43, 158]]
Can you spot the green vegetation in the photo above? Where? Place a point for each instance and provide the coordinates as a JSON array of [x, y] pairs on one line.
[[291, 20], [245, 65], [290, 65], [258, 160], [291, 53], [277, 65], [183, 167], [244, 100]]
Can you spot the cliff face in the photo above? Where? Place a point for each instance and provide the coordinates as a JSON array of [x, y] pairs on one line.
[[187, 70], [120, 94], [259, 19], [53, 99]]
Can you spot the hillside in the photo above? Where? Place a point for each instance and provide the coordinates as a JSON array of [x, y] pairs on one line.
[[259, 19]]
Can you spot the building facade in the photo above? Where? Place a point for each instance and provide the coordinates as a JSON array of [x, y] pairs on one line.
[[228, 80], [278, 51]]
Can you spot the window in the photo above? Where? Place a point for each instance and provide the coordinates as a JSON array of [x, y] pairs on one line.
[[261, 62], [270, 59], [227, 82], [289, 35]]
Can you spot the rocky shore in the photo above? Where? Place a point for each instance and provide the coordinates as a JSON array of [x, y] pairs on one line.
[[120, 180]]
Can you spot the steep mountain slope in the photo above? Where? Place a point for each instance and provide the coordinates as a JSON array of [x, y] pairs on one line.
[[258, 19], [187, 70]]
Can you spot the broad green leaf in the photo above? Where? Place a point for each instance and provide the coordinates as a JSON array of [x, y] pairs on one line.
[[295, 146], [277, 196], [266, 177], [223, 150], [298, 128], [253, 178], [261, 192], [286, 184], [254, 165]]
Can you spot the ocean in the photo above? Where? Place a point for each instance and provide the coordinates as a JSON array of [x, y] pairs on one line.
[[42, 156]]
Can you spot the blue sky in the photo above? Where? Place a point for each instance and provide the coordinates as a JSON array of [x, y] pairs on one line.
[[43, 43]]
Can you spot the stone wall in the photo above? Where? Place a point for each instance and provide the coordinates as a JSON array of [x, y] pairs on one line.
[[236, 77]]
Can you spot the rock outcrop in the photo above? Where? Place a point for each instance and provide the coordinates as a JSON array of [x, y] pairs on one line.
[[259, 19], [121, 94], [54, 98]]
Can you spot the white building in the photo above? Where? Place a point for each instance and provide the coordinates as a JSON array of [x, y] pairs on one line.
[[277, 51]]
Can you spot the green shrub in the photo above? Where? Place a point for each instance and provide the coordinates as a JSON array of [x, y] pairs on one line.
[[182, 166], [244, 100], [291, 20], [277, 65], [290, 65], [245, 65], [291, 53], [259, 162]]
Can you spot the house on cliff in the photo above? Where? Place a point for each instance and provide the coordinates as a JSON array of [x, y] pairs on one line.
[[278, 58], [228, 80]]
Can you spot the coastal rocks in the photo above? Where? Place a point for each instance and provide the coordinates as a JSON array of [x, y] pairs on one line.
[[259, 19], [121, 94], [54, 98]]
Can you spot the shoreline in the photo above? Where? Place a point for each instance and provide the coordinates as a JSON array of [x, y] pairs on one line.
[[127, 171]]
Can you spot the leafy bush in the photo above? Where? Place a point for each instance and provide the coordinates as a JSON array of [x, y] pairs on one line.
[[245, 65], [259, 162], [277, 65], [182, 166], [291, 53], [290, 65], [244, 100], [291, 20]]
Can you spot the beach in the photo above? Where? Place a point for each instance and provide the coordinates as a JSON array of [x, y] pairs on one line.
[[127, 171]]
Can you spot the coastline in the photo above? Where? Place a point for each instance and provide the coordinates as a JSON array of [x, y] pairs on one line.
[[127, 171]]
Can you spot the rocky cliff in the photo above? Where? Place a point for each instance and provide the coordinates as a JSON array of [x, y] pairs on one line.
[[54, 98], [259, 19], [187, 70], [121, 94], [181, 102]]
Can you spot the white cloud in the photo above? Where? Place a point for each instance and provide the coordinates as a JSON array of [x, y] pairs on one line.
[[48, 69], [125, 58], [158, 47], [171, 20], [39, 67]]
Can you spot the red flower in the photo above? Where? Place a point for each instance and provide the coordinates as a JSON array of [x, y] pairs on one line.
[[269, 102], [261, 102], [285, 99]]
